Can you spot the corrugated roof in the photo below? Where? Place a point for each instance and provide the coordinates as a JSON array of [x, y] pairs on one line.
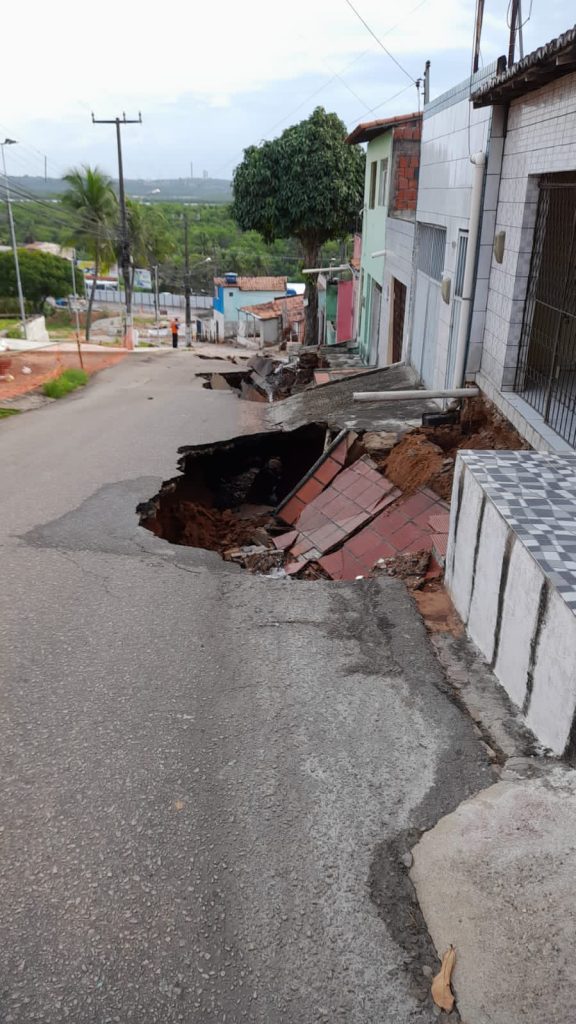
[[293, 304], [548, 62], [371, 129], [255, 284]]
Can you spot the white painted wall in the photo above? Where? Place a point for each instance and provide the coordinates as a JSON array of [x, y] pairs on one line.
[[474, 580]]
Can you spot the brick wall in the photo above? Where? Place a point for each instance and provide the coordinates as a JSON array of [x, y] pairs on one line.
[[405, 168]]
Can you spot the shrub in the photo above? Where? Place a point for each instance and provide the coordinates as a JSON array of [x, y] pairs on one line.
[[66, 382], [5, 413], [14, 332]]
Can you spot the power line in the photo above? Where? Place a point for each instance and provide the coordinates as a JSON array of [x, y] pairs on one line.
[[380, 43], [384, 102]]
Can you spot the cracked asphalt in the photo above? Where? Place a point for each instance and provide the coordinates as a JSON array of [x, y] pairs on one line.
[[209, 780]]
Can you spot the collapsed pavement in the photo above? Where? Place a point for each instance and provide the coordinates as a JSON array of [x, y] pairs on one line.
[[266, 379], [311, 503]]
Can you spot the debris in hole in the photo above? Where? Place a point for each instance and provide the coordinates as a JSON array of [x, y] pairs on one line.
[[266, 379], [441, 990]]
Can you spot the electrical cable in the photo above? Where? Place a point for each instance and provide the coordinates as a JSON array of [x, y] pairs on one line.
[[380, 43]]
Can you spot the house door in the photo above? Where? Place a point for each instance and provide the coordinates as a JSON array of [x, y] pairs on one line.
[[375, 311], [398, 312], [546, 373]]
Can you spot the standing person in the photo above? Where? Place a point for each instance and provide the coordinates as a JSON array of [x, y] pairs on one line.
[[174, 327]]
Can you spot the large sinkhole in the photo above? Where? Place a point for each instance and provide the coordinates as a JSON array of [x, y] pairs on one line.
[[226, 494]]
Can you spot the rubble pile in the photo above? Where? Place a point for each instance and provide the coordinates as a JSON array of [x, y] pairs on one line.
[[268, 380]]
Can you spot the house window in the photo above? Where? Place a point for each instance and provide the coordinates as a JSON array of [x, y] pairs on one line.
[[373, 176], [431, 245], [383, 183]]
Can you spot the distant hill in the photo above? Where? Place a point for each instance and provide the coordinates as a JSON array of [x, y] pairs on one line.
[[190, 190]]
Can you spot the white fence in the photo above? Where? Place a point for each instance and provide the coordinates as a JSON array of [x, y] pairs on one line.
[[145, 300]]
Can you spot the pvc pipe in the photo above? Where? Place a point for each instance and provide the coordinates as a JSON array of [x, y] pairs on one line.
[[479, 161], [401, 396]]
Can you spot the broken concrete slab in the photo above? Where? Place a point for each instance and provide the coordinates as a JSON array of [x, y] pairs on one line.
[[333, 404], [496, 879]]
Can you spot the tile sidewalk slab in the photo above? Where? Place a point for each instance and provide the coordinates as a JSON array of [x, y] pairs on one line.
[[333, 460]]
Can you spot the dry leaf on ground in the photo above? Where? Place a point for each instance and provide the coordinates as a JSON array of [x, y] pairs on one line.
[[441, 990]]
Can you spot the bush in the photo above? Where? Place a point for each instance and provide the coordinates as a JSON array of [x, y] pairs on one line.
[[5, 413], [9, 306], [66, 382], [14, 332]]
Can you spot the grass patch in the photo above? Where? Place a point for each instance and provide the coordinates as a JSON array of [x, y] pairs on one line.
[[5, 413], [68, 381], [6, 324]]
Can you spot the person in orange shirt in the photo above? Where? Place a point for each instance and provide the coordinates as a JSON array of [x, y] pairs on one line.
[[174, 326]]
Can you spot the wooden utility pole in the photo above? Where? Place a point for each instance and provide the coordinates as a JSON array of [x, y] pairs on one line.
[[514, 4], [125, 259], [188, 318], [477, 34]]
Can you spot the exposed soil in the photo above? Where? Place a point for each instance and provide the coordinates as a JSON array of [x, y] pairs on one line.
[[226, 494], [46, 364], [425, 457]]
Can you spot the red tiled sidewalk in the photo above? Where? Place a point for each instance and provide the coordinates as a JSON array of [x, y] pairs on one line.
[[356, 496], [332, 463], [403, 529]]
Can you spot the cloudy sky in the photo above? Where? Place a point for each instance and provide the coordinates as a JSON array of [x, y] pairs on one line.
[[211, 79]]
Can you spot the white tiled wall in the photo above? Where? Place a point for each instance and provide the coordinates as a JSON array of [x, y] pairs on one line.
[[449, 137], [540, 139]]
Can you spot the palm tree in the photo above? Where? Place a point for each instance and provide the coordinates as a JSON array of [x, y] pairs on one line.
[[93, 201]]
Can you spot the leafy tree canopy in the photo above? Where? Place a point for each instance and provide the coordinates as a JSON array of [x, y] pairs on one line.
[[307, 184], [42, 275]]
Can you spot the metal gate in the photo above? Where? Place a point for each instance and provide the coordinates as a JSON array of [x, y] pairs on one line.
[[431, 246], [546, 372]]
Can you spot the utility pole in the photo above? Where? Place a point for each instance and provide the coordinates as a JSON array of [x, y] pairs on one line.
[[514, 4], [427, 82], [188, 318], [12, 142], [76, 312], [477, 34], [45, 168], [125, 259]]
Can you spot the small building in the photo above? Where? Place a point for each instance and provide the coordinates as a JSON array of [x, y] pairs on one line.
[[389, 211], [269, 323], [232, 292]]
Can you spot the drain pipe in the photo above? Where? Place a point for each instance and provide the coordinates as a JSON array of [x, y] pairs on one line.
[[414, 395], [479, 161]]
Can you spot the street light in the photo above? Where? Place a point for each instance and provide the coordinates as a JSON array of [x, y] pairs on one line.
[[12, 142]]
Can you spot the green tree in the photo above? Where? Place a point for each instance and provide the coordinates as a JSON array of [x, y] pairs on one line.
[[93, 201], [307, 184], [42, 275]]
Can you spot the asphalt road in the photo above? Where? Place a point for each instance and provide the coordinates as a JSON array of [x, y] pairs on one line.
[[208, 779]]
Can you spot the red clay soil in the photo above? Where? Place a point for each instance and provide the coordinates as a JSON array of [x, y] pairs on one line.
[[425, 457], [46, 364], [198, 526]]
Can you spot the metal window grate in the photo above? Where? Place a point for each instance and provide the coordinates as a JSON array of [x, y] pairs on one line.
[[383, 182], [431, 249], [546, 371]]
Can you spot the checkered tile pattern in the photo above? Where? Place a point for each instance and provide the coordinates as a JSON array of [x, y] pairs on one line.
[[536, 495]]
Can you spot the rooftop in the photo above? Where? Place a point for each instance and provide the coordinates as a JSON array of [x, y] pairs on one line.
[[293, 304], [548, 62], [254, 284], [372, 129]]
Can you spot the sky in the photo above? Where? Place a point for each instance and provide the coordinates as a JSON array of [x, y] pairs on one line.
[[211, 79]]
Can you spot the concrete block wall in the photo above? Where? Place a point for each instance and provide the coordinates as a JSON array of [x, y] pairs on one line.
[[512, 611], [540, 139]]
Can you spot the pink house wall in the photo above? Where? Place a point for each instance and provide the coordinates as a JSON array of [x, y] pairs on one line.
[[345, 312]]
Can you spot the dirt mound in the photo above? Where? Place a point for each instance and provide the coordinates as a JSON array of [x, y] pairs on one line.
[[425, 457], [414, 462]]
